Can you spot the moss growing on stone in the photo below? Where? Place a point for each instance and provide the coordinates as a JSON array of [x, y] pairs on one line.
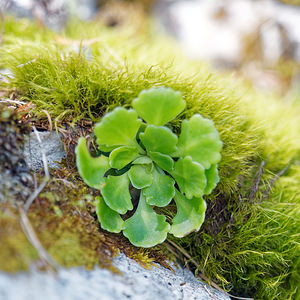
[[65, 222], [63, 215], [249, 242]]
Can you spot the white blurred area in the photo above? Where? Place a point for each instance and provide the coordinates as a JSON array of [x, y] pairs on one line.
[[215, 30], [259, 39]]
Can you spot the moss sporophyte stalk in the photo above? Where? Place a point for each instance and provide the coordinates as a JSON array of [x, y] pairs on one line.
[[140, 152]]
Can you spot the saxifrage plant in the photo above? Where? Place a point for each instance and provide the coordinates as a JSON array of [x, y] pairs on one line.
[[144, 154]]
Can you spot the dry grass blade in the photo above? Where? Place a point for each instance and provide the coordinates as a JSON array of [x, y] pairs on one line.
[[49, 119], [209, 293], [7, 100], [31, 236], [256, 182]]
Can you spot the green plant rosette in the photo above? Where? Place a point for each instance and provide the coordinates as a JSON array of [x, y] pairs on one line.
[[146, 155]]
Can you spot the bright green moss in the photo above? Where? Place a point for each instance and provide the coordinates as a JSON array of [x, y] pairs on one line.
[[16, 252], [250, 247], [71, 88], [25, 30]]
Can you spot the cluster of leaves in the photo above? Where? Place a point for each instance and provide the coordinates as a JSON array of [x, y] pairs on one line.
[[154, 160]]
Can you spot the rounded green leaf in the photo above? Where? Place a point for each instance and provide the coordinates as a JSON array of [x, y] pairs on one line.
[[164, 161], [118, 127], [122, 156], [91, 169], [212, 178], [159, 139], [109, 219], [161, 191], [140, 176], [158, 106], [190, 215], [146, 228], [190, 177], [105, 148], [199, 139], [115, 192], [143, 160]]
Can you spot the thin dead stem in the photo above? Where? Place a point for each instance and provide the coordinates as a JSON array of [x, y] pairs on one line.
[[24, 221], [209, 293], [257, 180], [31, 236], [186, 264], [49, 119], [7, 100]]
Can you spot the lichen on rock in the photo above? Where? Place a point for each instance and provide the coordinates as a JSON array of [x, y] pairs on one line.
[[16, 181]]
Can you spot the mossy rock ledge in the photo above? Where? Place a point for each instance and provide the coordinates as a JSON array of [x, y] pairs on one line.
[[249, 241], [72, 242]]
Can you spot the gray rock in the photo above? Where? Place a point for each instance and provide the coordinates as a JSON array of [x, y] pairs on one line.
[[53, 148], [135, 283]]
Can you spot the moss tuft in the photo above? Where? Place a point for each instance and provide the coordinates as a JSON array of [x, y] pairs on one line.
[[249, 243]]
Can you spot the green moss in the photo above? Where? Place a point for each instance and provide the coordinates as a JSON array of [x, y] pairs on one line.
[[257, 257], [71, 88], [25, 30], [248, 245], [16, 252], [65, 222]]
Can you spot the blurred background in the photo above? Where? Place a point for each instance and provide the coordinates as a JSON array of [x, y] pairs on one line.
[[257, 40]]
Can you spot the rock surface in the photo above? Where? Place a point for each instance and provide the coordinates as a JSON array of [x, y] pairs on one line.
[[16, 181], [53, 148], [135, 283]]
